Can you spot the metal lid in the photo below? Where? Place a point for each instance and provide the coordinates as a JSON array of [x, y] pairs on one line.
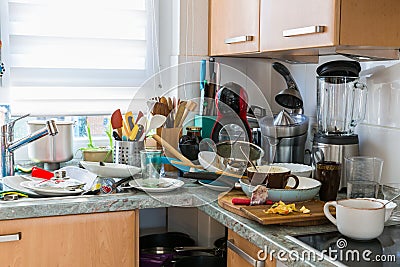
[[193, 128]]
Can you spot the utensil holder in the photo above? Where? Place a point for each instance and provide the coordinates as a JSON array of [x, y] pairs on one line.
[[128, 152], [171, 136]]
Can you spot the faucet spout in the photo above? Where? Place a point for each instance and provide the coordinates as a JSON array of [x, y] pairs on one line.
[[7, 149], [50, 129]]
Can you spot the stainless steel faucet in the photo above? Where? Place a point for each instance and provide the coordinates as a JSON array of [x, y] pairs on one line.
[[8, 145]]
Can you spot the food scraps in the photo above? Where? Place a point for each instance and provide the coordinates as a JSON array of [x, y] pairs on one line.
[[284, 209]]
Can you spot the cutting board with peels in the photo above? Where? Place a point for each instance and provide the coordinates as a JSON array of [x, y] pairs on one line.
[[256, 213]]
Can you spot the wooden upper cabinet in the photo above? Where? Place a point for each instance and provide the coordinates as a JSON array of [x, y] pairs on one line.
[[293, 24], [234, 27]]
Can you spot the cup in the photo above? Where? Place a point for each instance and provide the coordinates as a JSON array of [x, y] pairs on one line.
[[328, 173], [151, 165], [363, 175], [360, 219], [390, 190], [274, 176]]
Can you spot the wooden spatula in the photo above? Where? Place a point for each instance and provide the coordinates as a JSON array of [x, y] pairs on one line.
[[190, 106]]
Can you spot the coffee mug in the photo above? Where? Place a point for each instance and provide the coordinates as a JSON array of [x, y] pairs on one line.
[[360, 219], [275, 176], [328, 173]]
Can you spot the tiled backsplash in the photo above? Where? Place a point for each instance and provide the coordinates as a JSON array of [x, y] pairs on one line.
[[379, 133]]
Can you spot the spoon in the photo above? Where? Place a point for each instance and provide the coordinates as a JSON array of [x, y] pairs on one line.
[[155, 122], [393, 198], [247, 158]]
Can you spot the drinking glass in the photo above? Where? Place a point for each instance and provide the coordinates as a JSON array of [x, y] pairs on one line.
[[151, 165], [389, 191], [363, 175]]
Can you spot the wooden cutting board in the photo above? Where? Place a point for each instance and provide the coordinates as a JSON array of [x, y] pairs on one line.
[[256, 213]]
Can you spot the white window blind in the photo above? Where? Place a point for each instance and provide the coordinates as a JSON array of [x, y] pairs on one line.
[[77, 57]]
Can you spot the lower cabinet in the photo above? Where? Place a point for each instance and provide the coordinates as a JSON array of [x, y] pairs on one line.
[[242, 253], [98, 239]]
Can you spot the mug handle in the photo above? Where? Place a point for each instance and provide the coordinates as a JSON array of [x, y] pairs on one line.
[[328, 213], [297, 182]]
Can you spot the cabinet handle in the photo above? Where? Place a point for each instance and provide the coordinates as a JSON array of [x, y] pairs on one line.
[[9, 238], [244, 255], [301, 31], [239, 39]]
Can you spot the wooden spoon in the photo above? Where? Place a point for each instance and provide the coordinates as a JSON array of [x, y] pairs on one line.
[[172, 150]]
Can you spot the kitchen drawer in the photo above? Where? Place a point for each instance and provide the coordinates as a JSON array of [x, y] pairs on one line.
[[234, 27], [242, 253], [100, 239], [293, 24]]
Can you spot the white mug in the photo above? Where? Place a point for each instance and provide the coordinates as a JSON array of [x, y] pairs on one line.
[[360, 219]]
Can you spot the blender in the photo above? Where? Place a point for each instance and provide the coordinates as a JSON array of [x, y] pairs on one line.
[[341, 103]]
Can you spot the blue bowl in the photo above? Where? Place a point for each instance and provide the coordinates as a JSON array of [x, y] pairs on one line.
[[308, 188], [167, 160]]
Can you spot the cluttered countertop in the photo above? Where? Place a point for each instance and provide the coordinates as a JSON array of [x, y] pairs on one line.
[[188, 196]]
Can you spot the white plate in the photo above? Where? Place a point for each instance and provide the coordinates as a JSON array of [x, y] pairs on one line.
[[111, 170], [138, 184], [49, 192], [215, 185], [82, 175], [14, 182]]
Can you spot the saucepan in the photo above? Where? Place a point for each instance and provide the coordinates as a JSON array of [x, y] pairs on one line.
[[177, 248]]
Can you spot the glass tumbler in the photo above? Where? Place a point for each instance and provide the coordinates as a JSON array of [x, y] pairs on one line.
[[151, 165], [390, 190], [363, 175]]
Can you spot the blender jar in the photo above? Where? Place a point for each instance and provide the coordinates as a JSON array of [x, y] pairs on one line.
[[341, 104]]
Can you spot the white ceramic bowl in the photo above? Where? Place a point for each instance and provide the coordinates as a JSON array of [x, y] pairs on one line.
[[308, 188], [210, 161], [388, 208], [297, 168]]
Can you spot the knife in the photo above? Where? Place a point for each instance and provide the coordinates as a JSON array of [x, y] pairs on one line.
[[212, 176]]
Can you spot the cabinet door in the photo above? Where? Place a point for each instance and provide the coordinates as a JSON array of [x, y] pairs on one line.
[[101, 239], [242, 253], [292, 24], [234, 26]]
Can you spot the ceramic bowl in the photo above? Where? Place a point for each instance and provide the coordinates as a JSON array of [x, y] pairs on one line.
[[308, 189], [210, 161], [297, 168]]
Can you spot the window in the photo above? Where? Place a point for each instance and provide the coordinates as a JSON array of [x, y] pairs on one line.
[[76, 57]]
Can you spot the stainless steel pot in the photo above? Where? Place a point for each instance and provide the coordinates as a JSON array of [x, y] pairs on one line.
[[52, 150]]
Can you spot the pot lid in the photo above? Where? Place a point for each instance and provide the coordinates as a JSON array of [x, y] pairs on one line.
[[283, 119], [348, 68]]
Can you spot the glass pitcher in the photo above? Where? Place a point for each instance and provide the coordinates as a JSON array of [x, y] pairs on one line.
[[341, 104]]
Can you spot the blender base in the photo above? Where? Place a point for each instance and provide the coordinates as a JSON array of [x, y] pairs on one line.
[[337, 148]]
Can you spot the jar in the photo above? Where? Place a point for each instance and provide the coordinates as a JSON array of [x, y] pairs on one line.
[[193, 131]]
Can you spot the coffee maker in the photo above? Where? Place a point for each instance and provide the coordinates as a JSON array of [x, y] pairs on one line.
[[231, 123], [341, 104]]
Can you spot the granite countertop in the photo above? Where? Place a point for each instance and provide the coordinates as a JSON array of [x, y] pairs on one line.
[[272, 237]]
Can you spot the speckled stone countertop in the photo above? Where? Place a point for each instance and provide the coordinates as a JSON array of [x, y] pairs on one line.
[[191, 195]]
